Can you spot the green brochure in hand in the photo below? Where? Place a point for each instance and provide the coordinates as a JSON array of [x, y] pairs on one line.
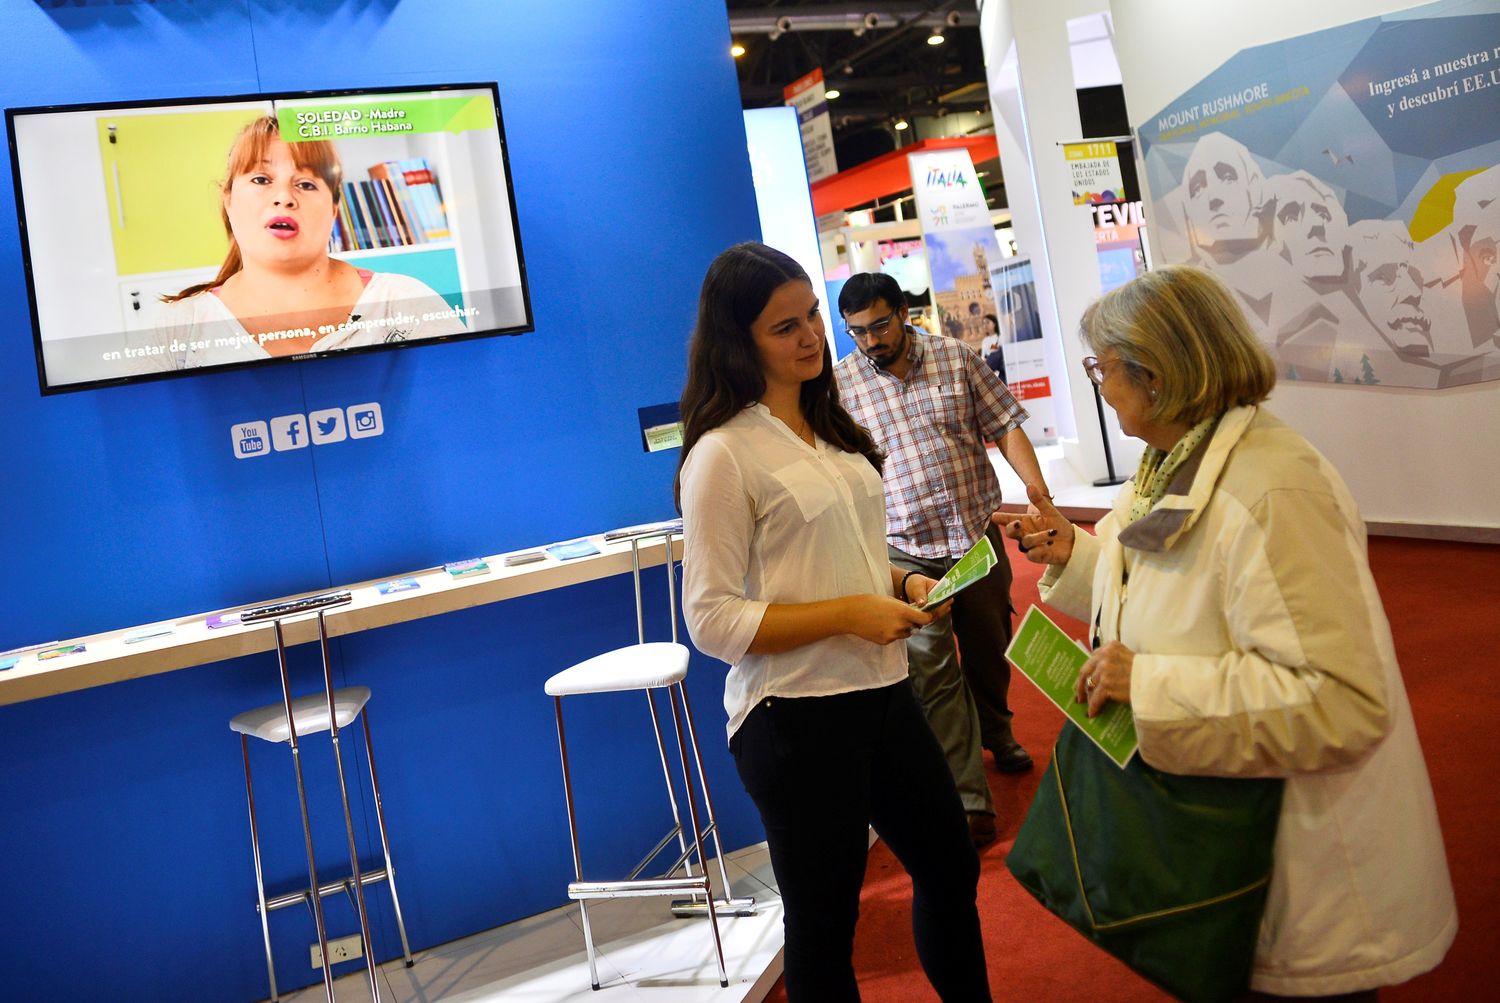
[[970, 568], [1051, 659]]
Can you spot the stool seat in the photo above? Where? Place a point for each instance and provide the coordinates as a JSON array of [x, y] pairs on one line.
[[638, 667], [268, 723]]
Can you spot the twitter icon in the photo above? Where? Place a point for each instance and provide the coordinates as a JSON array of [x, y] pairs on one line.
[[328, 426]]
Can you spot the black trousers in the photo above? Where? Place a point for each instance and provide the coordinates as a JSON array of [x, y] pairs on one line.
[[821, 770]]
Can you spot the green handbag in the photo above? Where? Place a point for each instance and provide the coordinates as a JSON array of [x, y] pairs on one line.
[[1168, 873]]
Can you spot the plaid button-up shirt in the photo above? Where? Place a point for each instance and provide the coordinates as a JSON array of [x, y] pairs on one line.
[[940, 487]]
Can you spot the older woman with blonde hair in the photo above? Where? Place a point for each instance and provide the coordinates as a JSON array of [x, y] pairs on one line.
[[1276, 829]]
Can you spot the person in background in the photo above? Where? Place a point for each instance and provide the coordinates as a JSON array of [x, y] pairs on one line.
[[992, 347], [931, 404], [786, 579], [1253, 643]]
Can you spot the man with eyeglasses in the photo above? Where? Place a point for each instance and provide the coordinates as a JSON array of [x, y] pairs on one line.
[[931, 403]]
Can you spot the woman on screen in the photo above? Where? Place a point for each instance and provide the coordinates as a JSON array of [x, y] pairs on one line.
[[278, 292]]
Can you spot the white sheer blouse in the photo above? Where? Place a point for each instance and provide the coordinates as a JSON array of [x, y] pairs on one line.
[[769, 519]]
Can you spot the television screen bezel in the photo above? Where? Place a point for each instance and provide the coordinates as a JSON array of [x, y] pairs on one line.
[[47, 390]]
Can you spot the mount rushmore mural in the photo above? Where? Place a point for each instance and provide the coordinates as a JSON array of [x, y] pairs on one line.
[[1346, 185]]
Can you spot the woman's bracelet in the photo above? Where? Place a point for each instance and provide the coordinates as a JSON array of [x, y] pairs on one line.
[[904, 596]]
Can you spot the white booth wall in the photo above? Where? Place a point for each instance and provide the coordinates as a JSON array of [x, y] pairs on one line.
[[1414, 459], [1410, 456]]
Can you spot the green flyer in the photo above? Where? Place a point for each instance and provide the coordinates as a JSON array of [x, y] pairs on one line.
[[1051, 659], [970, 568]]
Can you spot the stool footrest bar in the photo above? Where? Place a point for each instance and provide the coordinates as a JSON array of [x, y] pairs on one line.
[[725, 907], [635, 889], [331, 888]]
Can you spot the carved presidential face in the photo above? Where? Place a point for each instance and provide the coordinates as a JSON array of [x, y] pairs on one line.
[[1313, 232], [1221, 183], [1476, 215], [1391, 294]]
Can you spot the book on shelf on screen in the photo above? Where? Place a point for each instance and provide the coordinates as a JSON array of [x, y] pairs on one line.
[[399, 205]]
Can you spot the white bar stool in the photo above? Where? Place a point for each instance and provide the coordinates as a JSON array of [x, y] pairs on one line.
[[650, 667], [287, 722]]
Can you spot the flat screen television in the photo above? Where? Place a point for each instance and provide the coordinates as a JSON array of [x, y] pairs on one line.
[[169, 237]]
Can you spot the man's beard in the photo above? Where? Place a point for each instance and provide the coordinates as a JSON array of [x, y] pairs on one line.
[[888, 359]]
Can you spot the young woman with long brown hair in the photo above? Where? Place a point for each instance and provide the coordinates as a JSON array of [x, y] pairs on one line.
[[786, 579]]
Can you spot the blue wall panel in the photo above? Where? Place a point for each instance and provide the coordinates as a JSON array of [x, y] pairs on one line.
[[123, 807]]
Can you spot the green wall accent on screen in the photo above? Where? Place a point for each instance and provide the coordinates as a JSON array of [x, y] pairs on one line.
[[169, 168]]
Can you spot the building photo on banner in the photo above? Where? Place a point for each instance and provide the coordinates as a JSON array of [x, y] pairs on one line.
[[983, 300], [1322, 179]]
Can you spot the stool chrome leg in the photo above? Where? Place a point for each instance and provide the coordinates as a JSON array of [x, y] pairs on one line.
[[740, 906], [338, 764], [385, 843], [260, 885], [312, 866], [666, 772], [583, 909], [687, 780], [640, 636]]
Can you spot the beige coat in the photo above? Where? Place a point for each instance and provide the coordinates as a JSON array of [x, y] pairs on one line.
[[1262, 650]]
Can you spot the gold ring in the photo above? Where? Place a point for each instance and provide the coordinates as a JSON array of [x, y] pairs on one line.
[[1093, 681]]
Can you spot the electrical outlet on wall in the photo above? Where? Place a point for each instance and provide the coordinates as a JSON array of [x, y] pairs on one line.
[[344, 949]]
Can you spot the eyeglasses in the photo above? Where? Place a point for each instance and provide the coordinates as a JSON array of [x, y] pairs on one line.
[[1096, 369], [878, 328]]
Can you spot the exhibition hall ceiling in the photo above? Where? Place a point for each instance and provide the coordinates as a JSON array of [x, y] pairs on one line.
[[877, 55]]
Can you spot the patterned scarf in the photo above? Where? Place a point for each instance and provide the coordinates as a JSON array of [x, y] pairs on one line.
[[1157, 468]]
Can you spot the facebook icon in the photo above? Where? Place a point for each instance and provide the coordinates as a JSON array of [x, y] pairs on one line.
[[288, 432]]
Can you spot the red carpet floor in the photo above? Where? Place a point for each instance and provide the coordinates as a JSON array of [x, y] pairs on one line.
[[1443, 600]]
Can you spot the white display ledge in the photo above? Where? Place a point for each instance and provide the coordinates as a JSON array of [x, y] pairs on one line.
[[108, 659]]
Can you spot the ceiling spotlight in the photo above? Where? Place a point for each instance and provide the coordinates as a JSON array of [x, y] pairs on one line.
[[901, 125], [736, 50], [832, 93], [936, 38]]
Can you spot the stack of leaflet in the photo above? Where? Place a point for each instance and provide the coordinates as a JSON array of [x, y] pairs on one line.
[[400, 205]]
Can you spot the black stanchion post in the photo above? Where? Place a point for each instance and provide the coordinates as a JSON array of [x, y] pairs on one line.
[[1109, 459]]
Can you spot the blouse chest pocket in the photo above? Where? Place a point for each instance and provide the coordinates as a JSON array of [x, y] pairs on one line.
[[856, 471], [809, 489]]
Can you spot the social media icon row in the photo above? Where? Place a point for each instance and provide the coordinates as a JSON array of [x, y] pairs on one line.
[[297, 431]]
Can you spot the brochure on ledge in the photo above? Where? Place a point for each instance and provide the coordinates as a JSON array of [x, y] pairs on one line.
[[1051, 659], [970, 568]]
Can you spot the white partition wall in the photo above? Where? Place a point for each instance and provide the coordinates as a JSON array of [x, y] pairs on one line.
[[781, 193], [1423, 458], [1033, 94]]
